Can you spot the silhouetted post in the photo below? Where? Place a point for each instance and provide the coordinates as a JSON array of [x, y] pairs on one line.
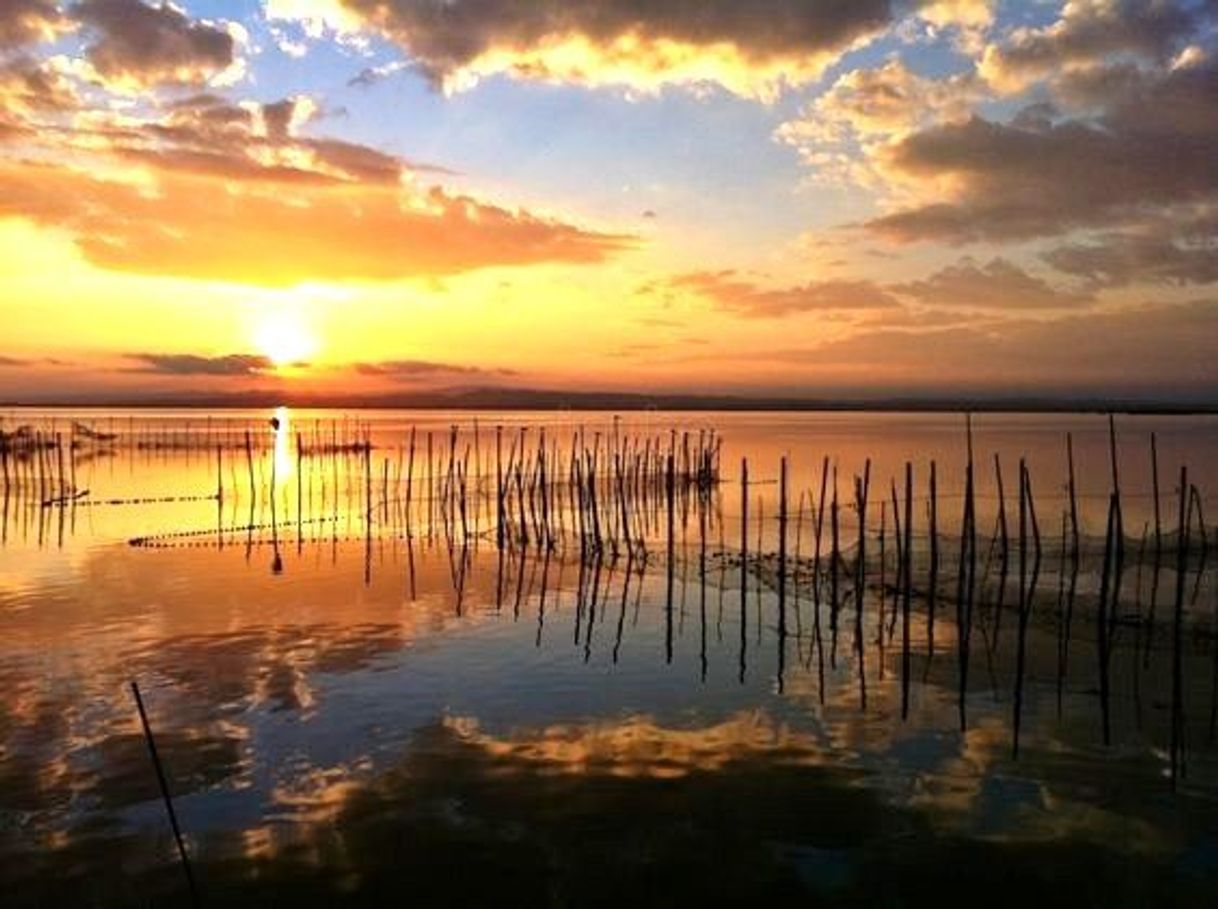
[[499, 486], [906, 591], [545, 490], [431, 486], [744, 560], [1102, 638], [1002, 511], [410, 482], [593, 507], [834, 546], [1154, 481], [782, 550], [860, 567], [671, 483], [1116, 491], [59, 467], [1023, 605], [299, 492], [367, 512], [621, 494], [964, 579], [160, 776], [820, 526], [702, 509], [933, 582], [1073, 499], [249, 463], [1177, 675]]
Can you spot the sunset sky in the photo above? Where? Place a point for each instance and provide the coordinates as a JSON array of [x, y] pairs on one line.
[[758, 197]]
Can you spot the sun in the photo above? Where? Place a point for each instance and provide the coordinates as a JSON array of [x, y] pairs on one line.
[[284, 338]]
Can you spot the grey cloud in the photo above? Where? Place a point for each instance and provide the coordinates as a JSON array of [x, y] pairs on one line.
[[1152, 347], [998, 284], [1089, 31], [194, 365], [1150, 150], [151, 45], [1159, 256], [27, 21], [417, 370], [443, 38]]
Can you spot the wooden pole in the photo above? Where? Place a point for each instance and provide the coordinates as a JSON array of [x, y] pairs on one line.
[[160, 776], [744, 559], [782, 547], [1116, 490], [249, 463], [860, 582], [1177, 686], [1073, 499], [906, 590], [933, 582], [1154, 480]]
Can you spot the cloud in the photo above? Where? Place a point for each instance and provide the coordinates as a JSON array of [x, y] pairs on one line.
[[1150, 150], [191, 227], [209, 135], [865, 107], [421, 370], [194, 365], [316, 17], [1152, 349], [371, 75], [751, 49], [732, 293], [1089, 31], [142, 45], [29, 87], [996, 285], [1163, 253], [960, 13], [884, 100], [28, 21], [206, 187]]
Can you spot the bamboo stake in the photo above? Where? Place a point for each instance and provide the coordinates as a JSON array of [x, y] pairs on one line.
[[165, 796]]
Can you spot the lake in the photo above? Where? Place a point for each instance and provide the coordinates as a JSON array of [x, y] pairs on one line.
[[504, 671]]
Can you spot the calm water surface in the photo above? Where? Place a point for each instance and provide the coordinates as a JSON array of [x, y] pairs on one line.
[[360, 704]]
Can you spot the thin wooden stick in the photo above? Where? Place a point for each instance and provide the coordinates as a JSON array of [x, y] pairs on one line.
[[160, 776]]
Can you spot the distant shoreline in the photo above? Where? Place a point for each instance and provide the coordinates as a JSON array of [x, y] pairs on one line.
[[594, 402]]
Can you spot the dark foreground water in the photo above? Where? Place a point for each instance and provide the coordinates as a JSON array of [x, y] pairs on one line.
[[364, 705]]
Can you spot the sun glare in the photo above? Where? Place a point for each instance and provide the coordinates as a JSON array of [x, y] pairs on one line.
[[284, 338]]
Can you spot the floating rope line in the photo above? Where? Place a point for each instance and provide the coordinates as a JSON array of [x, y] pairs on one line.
[[155, 500], [153, 538]]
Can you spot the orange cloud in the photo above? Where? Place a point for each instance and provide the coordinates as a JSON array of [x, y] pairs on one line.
[[731, 292], [186, 225]]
